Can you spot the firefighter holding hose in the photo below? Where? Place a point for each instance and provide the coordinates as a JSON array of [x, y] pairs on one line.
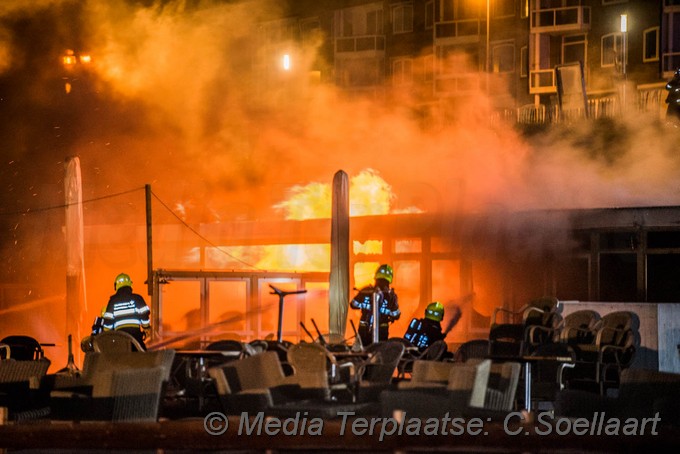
[[127, 311], [388, 305]]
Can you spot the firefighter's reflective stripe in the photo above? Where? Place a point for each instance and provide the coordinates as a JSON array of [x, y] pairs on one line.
[[386, 311], [365, 303], [415, 335], [127, 314]]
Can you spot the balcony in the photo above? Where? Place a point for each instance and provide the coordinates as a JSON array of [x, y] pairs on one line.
[[542, 81], [671, 62], [567, 19], [364, 43], [457, 31]]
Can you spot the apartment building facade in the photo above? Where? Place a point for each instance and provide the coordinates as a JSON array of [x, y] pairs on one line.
[[436, 52]]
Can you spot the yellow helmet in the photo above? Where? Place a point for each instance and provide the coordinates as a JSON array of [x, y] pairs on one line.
[[122, 280], [384, 272], [435, 311]]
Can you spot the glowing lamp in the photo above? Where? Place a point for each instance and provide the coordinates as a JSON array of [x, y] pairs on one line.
[[285, 62], [69, 59], [624, 23]]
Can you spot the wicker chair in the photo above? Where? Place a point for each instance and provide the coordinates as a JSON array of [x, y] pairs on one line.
[[472, 349], [435, 352], [23, 348], [115, 342], [21, 389], [439, 388], [383, 361], [513, 339], [253, 384], [600, 362], [316, 368], [108, 377], [137, 394]]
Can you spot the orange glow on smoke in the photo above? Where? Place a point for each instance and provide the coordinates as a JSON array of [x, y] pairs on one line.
[[369, 194]]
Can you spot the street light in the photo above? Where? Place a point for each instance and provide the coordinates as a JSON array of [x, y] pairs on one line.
[[624, 42], [488, 38], [285, 62], [624, 57]]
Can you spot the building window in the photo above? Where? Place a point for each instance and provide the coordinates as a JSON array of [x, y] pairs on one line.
[[574, 49], [611, 48], [503, 58], [402, 71], [650, 42], [429, 15], [402, 19], [374, 22], [613, 2], [524, 61], [450, 10], [360, 21], [347, 24], [503, 8], [670, 46]]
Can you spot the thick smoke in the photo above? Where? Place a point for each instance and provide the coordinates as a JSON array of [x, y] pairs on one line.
[[181, 108]]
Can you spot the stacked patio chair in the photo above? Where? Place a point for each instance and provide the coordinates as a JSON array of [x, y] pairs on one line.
[[548, 377], [599, 363], [513, 338]]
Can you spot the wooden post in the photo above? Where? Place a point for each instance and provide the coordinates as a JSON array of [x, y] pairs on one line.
[[339, 276], [149, 242]]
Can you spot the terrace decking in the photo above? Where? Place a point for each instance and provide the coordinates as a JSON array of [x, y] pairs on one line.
[[336, 436]]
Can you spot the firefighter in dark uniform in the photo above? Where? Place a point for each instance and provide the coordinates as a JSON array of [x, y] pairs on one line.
[[388, 304], [127, 311], [673, 98], [422, 332]]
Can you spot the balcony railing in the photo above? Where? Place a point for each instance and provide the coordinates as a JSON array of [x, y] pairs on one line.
[[531, 114], [652, 98], [458, 28], [604, 106], [360, 43], [570, 18], [542, 81]]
